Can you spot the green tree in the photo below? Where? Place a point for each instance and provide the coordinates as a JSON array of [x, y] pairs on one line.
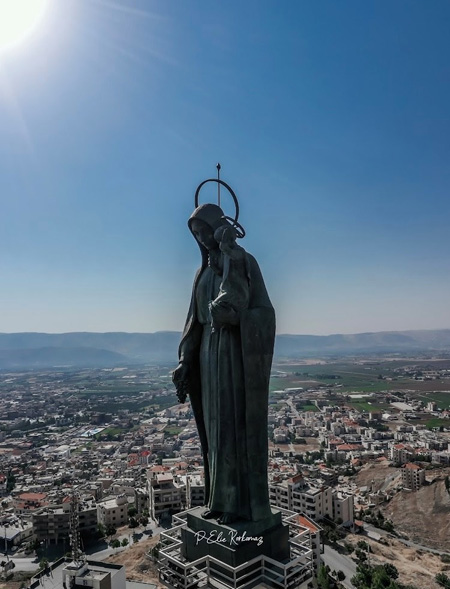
[[132, 522], [110, 530], [155, 551], [443, 580], [10, 482], [391, 570], [115, 543], [125, 542], [322, 578]]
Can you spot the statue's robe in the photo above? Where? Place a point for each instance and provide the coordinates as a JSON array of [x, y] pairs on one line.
[[229, 371]]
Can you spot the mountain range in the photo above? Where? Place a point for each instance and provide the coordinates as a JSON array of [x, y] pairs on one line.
[[45, 350]]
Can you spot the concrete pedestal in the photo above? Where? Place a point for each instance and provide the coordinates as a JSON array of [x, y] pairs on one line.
[[236, 543]]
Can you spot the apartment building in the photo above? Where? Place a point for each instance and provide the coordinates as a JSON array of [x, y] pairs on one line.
[[413, 476], [167, 494], [315, 539], [297, 495], [401, 453], [195, 490], [343, 507], [52, 524], [113, 512]]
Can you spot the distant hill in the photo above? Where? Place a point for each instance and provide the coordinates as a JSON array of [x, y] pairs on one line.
[[32, 350], [49, 357], [372, 342]]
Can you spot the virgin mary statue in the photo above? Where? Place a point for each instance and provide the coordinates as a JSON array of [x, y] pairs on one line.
[[225, 356]]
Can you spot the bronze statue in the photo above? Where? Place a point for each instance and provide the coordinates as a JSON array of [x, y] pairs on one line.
[[225, 357]]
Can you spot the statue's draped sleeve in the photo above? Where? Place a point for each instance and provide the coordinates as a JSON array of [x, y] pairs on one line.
[[257, 338], [189, 353]]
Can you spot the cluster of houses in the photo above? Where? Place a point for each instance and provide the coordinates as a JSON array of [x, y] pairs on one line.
[[128, 465]]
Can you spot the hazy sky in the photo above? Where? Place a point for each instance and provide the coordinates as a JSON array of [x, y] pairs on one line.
[[331, 121]]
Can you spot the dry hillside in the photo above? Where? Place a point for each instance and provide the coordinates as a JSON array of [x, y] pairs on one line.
[[378, 476], [424, 515], [138, 566], [415, 567]]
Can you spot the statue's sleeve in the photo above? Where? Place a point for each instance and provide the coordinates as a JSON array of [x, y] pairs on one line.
[[188, 350], [189, 347]]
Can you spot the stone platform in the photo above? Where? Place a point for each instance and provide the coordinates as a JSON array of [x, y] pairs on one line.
[[235, 543]]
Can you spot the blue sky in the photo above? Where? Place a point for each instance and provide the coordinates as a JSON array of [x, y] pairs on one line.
[[330, 120]]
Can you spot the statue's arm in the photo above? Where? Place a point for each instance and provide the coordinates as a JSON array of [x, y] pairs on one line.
[[234, 294]]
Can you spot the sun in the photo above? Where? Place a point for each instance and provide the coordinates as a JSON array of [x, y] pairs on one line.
[[18, 18]]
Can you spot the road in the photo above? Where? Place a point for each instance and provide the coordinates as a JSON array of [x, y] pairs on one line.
[[370, 527], [339, 562]]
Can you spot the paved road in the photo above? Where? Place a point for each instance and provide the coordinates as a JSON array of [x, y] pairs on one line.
[[339, 562], [28, 563], [370, 527]]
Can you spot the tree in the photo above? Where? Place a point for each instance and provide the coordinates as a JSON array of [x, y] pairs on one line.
[[110, 530], [132, 511], [391, 570], [43, 564], [155, 551], [125, 542], [132, 522], [443, 580], [115, 543], [341, 576], [10, 482], [322, 578]]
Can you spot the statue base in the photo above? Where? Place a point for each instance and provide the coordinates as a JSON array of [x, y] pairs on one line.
[[197, 553], [237, 542]]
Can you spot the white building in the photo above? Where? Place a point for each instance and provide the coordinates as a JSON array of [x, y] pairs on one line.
[[297, 495], [195, 490], [343, 507], [113, 512], [167, 494]]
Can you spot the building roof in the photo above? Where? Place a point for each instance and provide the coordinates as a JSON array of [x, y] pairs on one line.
[[32, 496], [307, 523], [412, 466]]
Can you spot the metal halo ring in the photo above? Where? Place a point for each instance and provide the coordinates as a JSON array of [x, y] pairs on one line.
[[240, 231], [230, 190]]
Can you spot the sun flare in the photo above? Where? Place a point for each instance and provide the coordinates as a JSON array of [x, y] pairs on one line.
[[18, 18]]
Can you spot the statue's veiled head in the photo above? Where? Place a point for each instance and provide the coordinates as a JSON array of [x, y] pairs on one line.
[[204, 221]]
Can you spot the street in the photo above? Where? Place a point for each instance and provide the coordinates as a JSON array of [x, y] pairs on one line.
[[339, 562]]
